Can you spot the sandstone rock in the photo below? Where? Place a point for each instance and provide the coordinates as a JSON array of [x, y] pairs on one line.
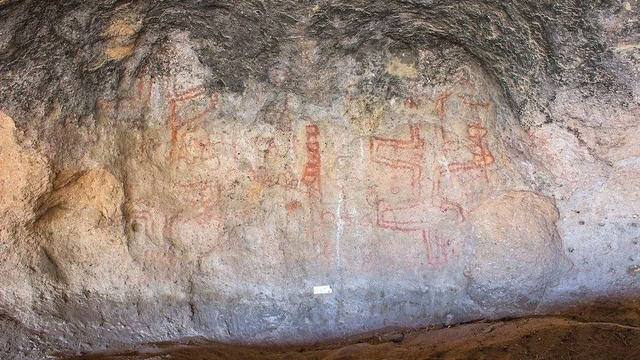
[[24, 173], [520, 227], [194, 168], [80, 222]]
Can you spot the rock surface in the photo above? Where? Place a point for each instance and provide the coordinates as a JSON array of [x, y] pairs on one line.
[[516, 258], [544, 337], [197, 168]]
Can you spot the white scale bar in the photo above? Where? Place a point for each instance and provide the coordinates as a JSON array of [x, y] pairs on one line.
[[324, 289]]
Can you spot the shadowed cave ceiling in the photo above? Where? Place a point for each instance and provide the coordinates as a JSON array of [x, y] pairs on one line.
[[182, 168]]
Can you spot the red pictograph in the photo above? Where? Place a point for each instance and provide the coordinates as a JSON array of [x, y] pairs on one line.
[[418, 212], [143, 220], [436, 247], [132, 107], [475, 103], [413, 214], [285, 179], [264, 144], [277, 113], [200, 208], [186, 108], [262, 174], [292, 206], [441, 108], [482, 157], [411, 103], [401, 154], [199, 146], [311, 175], [147, 241]]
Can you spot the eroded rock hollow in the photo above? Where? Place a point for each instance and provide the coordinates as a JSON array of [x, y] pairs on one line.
[[184, 168]]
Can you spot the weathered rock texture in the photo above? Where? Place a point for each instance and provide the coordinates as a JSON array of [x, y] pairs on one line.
[[184, 168], [539, 337]]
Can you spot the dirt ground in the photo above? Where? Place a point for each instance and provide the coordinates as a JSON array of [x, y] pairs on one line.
[[600, 331]]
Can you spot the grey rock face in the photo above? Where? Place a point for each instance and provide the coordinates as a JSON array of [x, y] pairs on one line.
[[518, 252], [184, 168]]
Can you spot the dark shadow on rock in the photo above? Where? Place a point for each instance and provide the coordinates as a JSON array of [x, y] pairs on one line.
[[600, 329]]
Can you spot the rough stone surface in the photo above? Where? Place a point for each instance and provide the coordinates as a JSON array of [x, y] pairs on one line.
[[591, 332], [184, 168], [514, 279]]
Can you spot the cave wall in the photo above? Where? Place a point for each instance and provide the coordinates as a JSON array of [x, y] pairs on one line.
[[175, 169]]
